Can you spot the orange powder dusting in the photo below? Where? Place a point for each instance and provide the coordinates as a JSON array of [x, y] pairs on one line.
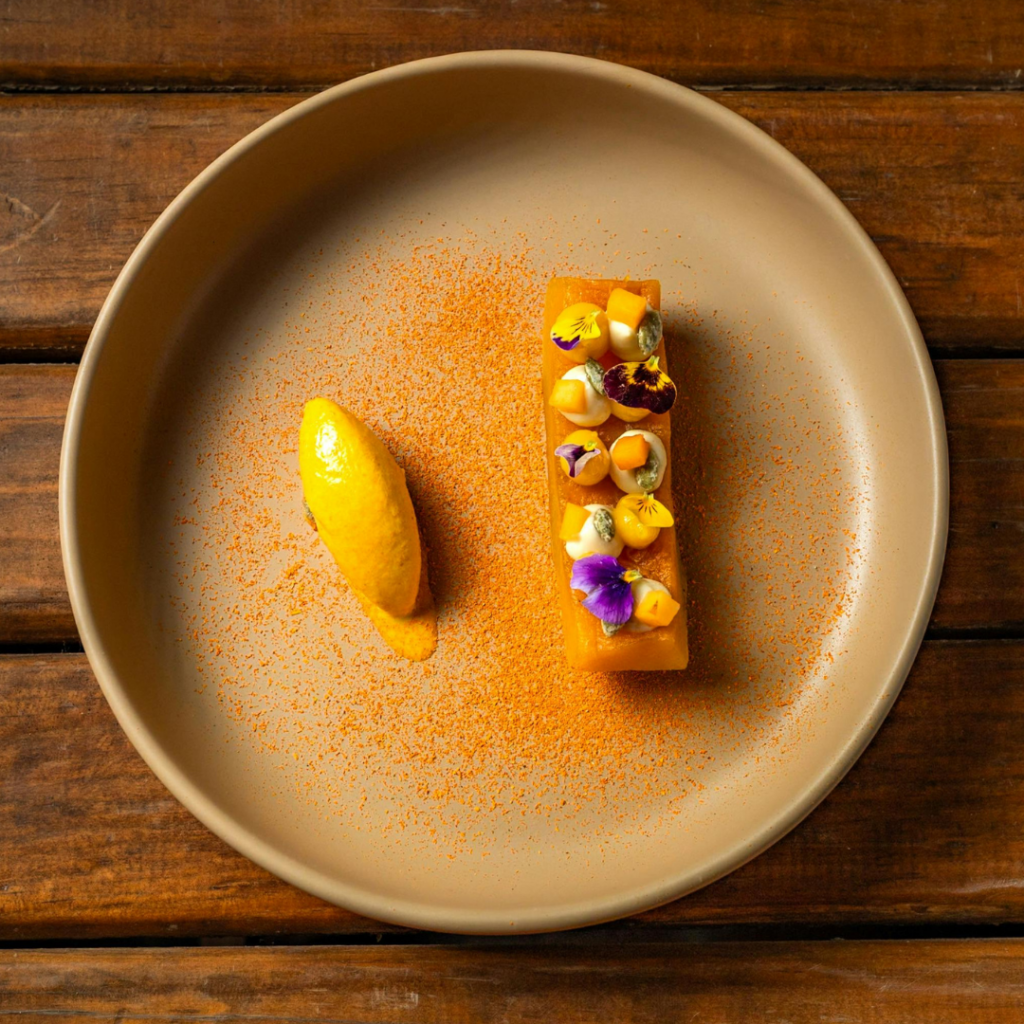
[[437, 352]]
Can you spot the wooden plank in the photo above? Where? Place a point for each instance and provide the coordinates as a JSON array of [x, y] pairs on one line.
[[934, 178], [711, 42], [33, 598], [91, 844], [975, 981], [935, 181], [81, 179], [983, 579], [927, 828], [983, 582]]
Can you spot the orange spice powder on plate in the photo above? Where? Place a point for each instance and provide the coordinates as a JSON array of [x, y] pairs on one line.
[[437, 351]]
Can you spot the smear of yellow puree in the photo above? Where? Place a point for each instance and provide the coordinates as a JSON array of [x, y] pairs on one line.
[[357, 496]]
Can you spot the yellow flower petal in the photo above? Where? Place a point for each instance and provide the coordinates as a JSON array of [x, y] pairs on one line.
[[651, 512]]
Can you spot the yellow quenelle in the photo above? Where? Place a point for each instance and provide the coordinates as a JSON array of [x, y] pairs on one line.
[[358, 499]]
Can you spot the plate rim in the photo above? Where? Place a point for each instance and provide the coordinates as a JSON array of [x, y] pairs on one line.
[[547, 918]]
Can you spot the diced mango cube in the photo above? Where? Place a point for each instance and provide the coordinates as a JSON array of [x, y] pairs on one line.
[[573, 520], [569, 396], [626, 307], [656, 609], [631, 452]]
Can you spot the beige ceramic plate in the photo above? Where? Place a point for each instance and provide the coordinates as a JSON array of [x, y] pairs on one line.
[[348, 247]]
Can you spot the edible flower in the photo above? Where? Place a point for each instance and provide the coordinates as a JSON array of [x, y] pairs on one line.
[[607, 585], [648, 510], [577, 455], [640, 386], [579, 323]]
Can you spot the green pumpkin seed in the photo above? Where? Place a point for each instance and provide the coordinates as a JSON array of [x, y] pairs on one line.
[[595, 375], [648, 334], [308, 513], [611, 628], [647, 474], [604, 525]]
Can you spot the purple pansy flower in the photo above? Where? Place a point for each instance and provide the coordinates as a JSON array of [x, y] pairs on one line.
[[565, 344], [576, 456], [607, 585], [640, 385]]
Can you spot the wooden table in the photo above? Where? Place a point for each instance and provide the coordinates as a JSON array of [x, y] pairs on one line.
[[115, 902]]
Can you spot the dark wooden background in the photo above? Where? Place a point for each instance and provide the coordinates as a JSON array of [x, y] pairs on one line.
[[115, 903]]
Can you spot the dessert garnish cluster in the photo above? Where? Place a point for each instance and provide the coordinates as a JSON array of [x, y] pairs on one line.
[[617, 375]]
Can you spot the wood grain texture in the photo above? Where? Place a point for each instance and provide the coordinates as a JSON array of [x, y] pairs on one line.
[[95, 846], [117, 44], [935, 181], [81, 179], [983, 578], [927, 828], [983, 581], [980, 982], [934, 178], [33, 598]]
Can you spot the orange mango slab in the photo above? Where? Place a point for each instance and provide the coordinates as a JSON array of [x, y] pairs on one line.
[[586, 645], [631, 452], [627, 307]]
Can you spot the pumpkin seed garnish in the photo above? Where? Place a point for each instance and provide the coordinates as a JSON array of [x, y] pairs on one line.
[[308, 513], [648, 334], [595, 375], [611, 628], [604, 525], [647, 474]]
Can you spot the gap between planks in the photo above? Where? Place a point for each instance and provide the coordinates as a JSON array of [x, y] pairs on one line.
[[306, 89]]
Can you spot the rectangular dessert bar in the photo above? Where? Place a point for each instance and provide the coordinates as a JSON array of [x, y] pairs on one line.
[[588, 643]]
